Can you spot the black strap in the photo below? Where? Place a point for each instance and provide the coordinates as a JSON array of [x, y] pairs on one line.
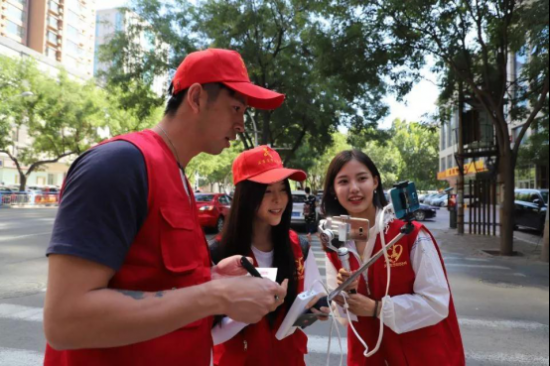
[[215, 250], [304, 244]]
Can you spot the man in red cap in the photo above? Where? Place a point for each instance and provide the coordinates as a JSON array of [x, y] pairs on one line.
[[130, 278]]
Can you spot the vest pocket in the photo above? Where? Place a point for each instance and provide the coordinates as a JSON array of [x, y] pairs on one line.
[[179, 241]]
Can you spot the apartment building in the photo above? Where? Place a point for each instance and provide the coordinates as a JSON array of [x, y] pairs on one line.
[[110, 22], [61, 30], [479, 136], [54, 33]]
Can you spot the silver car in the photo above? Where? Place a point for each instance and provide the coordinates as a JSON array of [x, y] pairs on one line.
[[298, 200]]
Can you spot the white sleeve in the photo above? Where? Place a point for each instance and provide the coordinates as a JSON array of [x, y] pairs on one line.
[[312, 276], [429, 304], [332, 282], [227, 329]]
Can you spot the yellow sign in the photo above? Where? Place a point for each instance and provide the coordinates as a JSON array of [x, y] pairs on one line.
[[470, 168]]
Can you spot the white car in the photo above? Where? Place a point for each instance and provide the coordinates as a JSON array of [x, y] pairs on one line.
[[441, 201], [298, 200]]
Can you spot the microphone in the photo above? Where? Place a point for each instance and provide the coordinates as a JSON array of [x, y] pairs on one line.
[[343, 255]]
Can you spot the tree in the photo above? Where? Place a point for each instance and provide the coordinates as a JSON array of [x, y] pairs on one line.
[[215, 168], [474, 42], [287, 47], [60, 118], [418, 146]]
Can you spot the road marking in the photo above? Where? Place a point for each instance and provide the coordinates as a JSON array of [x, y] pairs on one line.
[[476, 266], [32, 314], [319, 344], [9, 238], [507, 359], [504, 324], [16, 357]]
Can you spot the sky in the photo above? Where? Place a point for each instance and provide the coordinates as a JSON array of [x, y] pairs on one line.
[[421, 100]]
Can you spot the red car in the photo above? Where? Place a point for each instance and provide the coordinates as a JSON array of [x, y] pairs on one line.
[[213, 209]]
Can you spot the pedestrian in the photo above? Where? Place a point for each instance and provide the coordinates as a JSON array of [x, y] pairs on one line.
[[420, 322], [310, 213], [259, 227], [130, 278]]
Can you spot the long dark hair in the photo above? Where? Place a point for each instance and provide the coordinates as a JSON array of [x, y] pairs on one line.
[[238, 231], [330, 205]]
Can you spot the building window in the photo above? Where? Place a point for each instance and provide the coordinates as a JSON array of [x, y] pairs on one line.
[[51, 179], [73, 17], [51, 53], [449, 135], [52, 37], [72, 48], [15, 14], [14, 29], [443, 138], [21, 2], [53, 6], [443, 166], [450, 163], [73, 33], [53, 22]]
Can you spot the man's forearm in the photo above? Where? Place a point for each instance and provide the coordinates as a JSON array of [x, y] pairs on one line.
[[111, 318]]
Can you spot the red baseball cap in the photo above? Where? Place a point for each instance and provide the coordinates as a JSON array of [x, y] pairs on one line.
[[263, 165], [227, 67]]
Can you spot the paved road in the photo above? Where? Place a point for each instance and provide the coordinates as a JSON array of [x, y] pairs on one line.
[[503, 307]]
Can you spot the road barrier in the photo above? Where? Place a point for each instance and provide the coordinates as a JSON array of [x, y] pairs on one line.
[[23, 199]]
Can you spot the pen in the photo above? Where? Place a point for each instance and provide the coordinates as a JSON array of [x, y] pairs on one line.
[[250, 268]]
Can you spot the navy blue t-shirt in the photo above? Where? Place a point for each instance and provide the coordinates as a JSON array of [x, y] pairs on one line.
[[104, 205]]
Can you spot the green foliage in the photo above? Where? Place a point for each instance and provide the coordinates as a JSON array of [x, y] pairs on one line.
[[287, 45], [214, 168], [60, 117]]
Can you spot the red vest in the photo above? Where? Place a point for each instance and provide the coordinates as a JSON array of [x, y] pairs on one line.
[[438, 345], [256, 345], [169, 252]]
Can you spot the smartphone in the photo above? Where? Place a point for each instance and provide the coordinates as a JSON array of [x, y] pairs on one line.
[[404, 199]]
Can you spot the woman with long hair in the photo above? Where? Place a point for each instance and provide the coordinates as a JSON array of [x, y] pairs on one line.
[[419, 318], [259, 227]]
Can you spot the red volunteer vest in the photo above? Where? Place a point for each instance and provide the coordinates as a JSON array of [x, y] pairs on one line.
[[256, 345], [438, 345], [169, 252]]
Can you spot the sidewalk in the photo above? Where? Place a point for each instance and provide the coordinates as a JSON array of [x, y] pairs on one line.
[[474, 245]]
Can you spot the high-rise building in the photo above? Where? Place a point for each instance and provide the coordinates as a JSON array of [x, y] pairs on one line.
[[110, 22], [61, 30]]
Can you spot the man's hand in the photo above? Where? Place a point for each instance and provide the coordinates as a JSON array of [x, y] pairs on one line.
[[229, 267], [248, 299], [342, 277], [323, 313], [359, 305]]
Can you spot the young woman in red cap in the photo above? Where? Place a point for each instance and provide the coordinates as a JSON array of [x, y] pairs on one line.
[[419, 318], [259, 227]]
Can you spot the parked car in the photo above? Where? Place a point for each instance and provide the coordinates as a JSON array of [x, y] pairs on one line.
[[319, 204], [423, 195], [430, 199], [213, 210], [440, 201], [530, 208], [425, 212]]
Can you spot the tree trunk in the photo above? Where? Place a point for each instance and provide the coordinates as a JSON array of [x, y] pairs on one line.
[[506, 185], [545, 248], [460, 161], [23, 183]]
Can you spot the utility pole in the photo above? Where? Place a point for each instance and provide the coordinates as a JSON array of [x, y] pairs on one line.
[[460, 162]]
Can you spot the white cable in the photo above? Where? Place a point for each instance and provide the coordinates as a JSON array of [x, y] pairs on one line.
[[388, 265], [334, 324]]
